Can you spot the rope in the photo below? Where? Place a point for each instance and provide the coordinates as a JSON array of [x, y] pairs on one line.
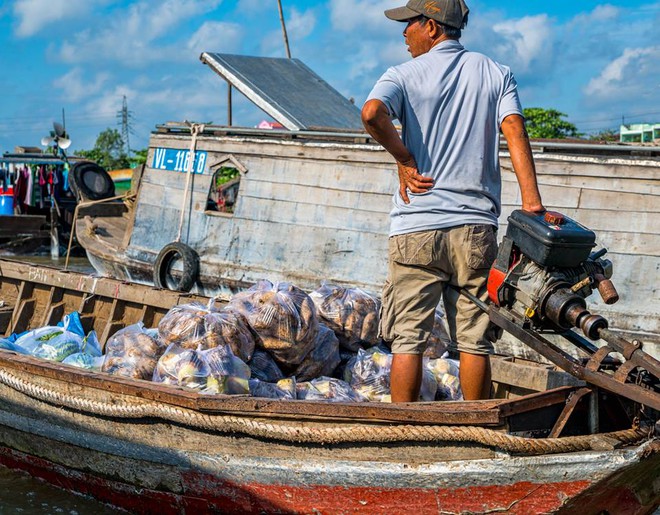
[[298, 433]]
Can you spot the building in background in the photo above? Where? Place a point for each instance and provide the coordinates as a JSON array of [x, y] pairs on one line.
[[640, 133]]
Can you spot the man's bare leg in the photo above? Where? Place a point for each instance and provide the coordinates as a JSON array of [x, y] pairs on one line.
[[475, 376], [406, 377]]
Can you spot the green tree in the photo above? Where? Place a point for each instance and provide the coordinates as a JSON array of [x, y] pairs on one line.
[[108, 151], [608, 135], [139, 157], [548, 124]]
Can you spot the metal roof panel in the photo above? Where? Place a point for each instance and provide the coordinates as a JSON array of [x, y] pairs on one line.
[[286, 90]]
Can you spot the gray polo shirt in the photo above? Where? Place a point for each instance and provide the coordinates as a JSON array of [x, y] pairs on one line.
[[450, 103]]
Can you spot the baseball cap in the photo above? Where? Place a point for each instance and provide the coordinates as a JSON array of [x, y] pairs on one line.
[[448, 12]]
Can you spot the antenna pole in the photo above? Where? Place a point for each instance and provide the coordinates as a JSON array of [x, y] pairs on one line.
[[125, 116], [63, 120], [286, 38]]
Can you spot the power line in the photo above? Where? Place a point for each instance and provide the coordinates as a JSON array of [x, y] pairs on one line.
[[618, 117]]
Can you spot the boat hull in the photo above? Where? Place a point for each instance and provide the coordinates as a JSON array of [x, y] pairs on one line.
[[457, 488], [154, 466]]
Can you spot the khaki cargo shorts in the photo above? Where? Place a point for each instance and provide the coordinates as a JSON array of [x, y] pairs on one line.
[[422, 265]]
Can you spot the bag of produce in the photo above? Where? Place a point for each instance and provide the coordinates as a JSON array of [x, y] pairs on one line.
[[328, 389], [368, 373], [6, 344], [446, 374], [84, 360], [133, 352], [228, 374], [264, 368], [53, 343], [323, 359], [351, 313], [284, 389], [284, 318], [194, 325], [439, 340], [181, 367], [212, 371]]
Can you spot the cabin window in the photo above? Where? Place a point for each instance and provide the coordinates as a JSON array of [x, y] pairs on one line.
[[224, 190]]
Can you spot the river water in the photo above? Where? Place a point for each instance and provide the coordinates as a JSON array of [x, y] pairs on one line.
[[20, 493]]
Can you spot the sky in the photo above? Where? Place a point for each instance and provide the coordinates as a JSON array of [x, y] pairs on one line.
[[76, 59]]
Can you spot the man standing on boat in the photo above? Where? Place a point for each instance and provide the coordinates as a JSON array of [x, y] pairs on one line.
[[452, 104]]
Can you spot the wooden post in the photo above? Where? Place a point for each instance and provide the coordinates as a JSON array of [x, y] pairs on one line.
[[286, 38]]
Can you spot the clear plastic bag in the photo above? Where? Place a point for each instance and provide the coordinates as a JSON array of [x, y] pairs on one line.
[[194, 325], [323, 359], [446, 373], [284, 389], [351, 313], [328, 389], [228, 374], [53, 343], [133, 352], [284, 318], [368, 373], [439, 340], [181, 367], [84, 360], [212, 371], [264, 367]]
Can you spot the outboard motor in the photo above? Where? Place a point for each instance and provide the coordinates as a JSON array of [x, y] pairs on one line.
[[545, 270]]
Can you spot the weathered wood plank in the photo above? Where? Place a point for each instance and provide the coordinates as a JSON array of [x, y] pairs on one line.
[[476, 412]]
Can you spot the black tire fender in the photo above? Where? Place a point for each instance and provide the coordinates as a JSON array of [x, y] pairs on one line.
[[91, 181], [163, 277]]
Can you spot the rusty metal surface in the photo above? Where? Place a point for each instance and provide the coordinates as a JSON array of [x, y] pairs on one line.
[[566, 413], [287, 90], [514, 324]]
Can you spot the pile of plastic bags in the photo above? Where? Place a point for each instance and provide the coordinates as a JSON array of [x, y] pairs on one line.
[[273, 340]]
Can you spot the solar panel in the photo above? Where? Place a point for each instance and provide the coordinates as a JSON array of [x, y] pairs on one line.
[[287, 90]]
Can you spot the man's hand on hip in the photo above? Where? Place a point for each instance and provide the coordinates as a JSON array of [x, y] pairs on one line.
[[411, 179]]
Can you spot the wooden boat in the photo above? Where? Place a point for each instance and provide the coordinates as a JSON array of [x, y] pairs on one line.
[[20, 234], [310, 204], [152, 448]]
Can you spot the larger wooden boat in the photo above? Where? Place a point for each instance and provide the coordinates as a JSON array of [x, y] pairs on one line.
[[547, 444], [310, 204]]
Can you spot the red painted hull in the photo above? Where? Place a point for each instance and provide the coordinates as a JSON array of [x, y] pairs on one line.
[[208, 494]]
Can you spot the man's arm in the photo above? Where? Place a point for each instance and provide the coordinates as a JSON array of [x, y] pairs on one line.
[[378, 124], [513, 128]]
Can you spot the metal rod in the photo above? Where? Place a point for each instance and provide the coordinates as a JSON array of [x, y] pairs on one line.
[[229, 105], [286, 38], [479, 303], [631, 351]]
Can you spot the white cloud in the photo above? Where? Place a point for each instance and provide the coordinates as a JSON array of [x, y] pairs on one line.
[[34, 15], [76, 86], [300, 25], [129, 36], [363, 16], [524, 41], [214, 36], [600, 13], [636, 72]]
